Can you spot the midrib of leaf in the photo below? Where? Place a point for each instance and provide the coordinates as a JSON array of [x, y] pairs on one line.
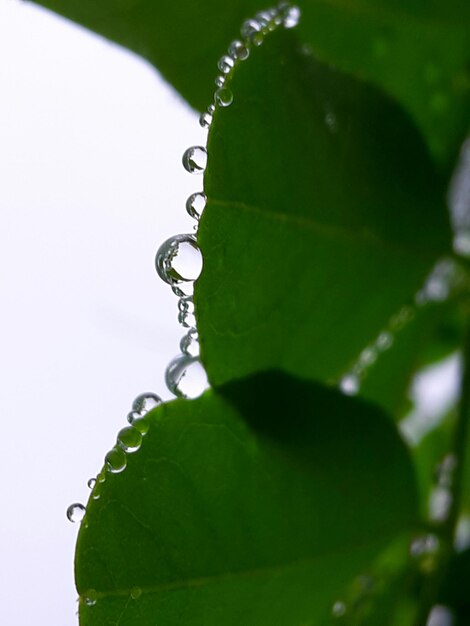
[[270, 570], [357, 237]]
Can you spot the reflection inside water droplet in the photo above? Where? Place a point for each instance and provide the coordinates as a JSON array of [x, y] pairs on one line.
[[185, 377], [195, 159], [116, 460], [179, 261], [76, 512]]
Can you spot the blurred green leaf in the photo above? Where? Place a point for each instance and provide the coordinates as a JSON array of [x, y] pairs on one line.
[[324, 216], [217, 522]]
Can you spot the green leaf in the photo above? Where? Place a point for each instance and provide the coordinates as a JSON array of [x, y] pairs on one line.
[[418, 52], [324, 216], [253, 506]]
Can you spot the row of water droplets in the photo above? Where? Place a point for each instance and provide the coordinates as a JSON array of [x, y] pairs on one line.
[[179, 260]]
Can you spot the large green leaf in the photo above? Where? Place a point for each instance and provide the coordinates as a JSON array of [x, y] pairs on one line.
[[418, 51], [324, 216], [252, 506]]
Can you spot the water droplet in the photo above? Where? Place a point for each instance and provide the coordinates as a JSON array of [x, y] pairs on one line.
[[145, 402], [90, 597], [440, 501], [290, 14], [186, 315], [179, 261], [257, 39], [349, 384], [101, 476], [211, 109], [338, 609], [440, 615], [225, 64], [76, 512], [195, 159], [130, 439], [140, 423], [424, 551], [238, 51], [224, 97], [116, 460], [368, 356], [185, 377], [249, 28], [205, 120], [384, 341], [136, 592], [220, 81], [91, 483], [331, 122], [195, 204], [189, 344]]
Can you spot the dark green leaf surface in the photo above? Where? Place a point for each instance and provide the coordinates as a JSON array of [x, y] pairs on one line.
[[417, 51], [324, 216], [217, 522]]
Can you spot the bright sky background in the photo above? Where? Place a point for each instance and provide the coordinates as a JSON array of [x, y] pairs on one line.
[[91, 183]]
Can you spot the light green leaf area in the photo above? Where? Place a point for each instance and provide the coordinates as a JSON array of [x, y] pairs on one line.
[[417, 51], [256, 505], [324, 216]]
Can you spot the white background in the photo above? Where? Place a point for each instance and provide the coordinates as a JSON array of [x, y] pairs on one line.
[[91, 183]]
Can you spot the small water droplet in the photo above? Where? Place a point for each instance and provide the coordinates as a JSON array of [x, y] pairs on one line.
[[440, 501], [90, 597], [101, 476], [225, 64], [186, 315], [349, 384], [195, 160], [211, 109], [185, 377], [76, 512], [179, 261], [130, 439], [290, 14], [91, 483], [224, 97], [145, 402], [189, 344], [238, 51], [220, 81], [331, 122], [257, 38], [368, 356], [140, 423], [249, 28], [116, 460], [205, 120], [338, 609], [384, 341], [195, 204], [424, 551], [136, 592]]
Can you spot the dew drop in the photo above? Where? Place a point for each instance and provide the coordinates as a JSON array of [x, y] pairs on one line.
[[185, 377], [90, 597], [195, 159], [205, 120], [424, 550], [76, 512], [225, 64], [238, 51], [338, 609], [224, 97], [440, 615], [130, 439], [91, 483], [138, 422], [349, 384], [384, 341], [290, 14], [195, 204], [101, 476], [116, 460], [220, 81], [136, 592], [211, 109], [179, 261], [331, 122], [186, 315], [249, 28], [145, 402], [189, 344], [257, 39]]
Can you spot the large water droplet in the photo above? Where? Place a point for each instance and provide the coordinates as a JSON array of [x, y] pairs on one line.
[[290, 14], [205, 119], [76, 512], [225, 64], [179, 261], [186, 377], [224, 97], [91, 483], [238, 51], [116, 460], [195, 159], [145, 402], [195, 204], [189, 344], [130, 439], [90, 597]]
